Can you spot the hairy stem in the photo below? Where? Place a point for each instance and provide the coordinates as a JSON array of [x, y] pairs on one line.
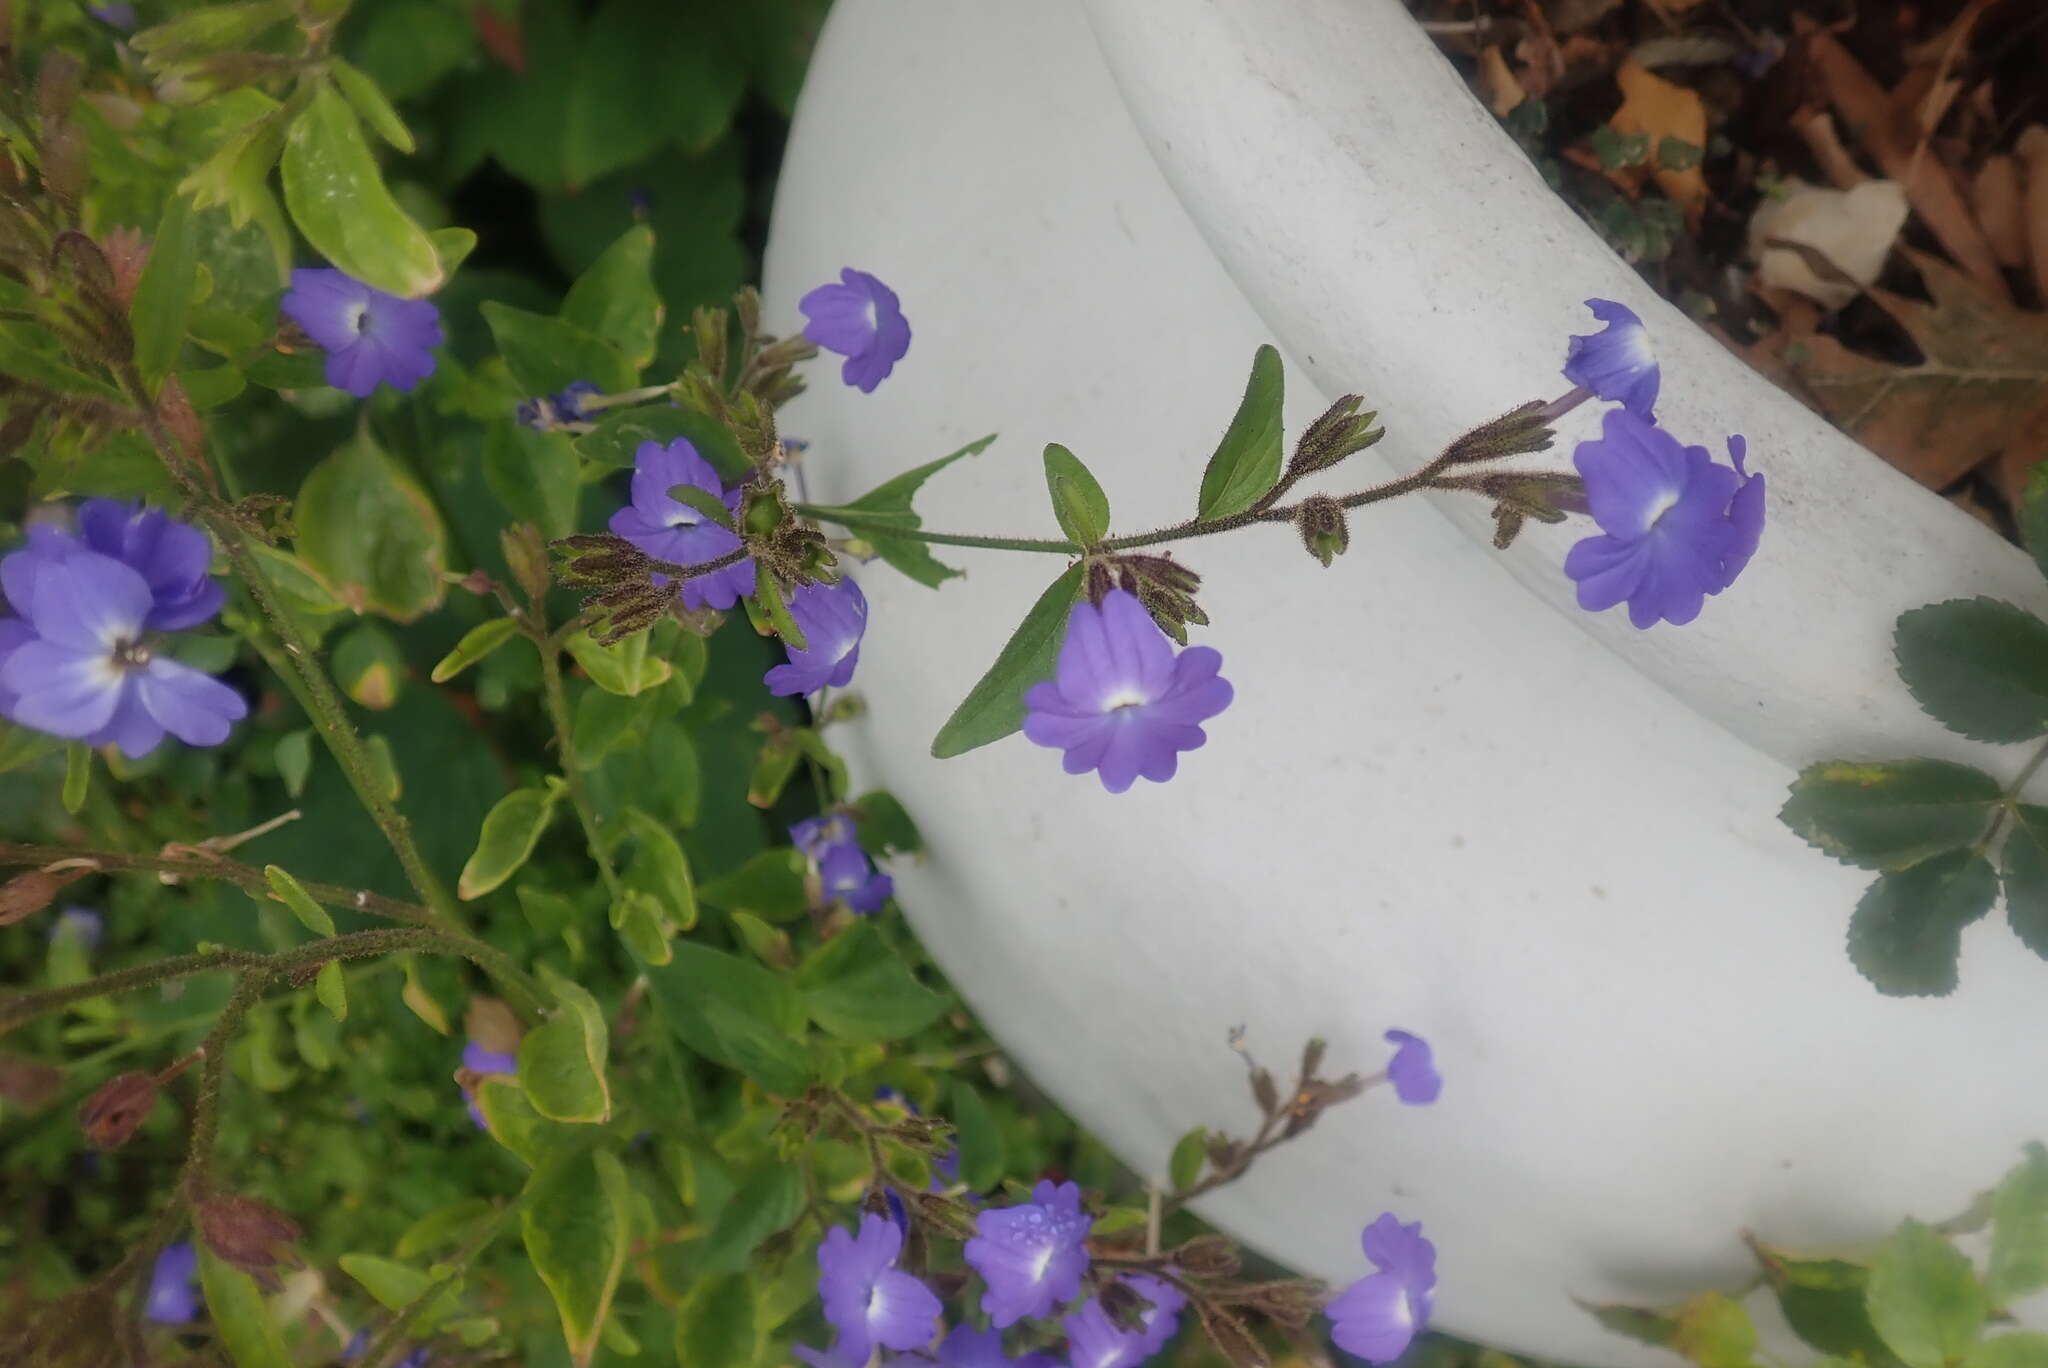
[[199, 866]]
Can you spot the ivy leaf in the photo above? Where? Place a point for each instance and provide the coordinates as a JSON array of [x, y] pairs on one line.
[[1889, 815], [1978, 666], [1906, 933], [577, 1222], [1077, 499], [994, 707], [1247, 461], [367, 528], [1924, 1298], [338, 199], [2019, 1230], [857, 988]]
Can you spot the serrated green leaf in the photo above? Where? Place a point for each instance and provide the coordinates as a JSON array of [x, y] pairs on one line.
[[1924, 1298], [331, 988], [240, 1318], [994, 707], [368, 530], [577, 1223], [562, 1061], [615, 299], [1890, 815], [293, 894], [770, 885], [2019, 1231], [1184, 1169], [1247, 460], [2025, 858], [338, 199], [857, 988], [478, 642], [510, 831], [546, 355], [1906, 933], [1077, 499], [1978, 666]]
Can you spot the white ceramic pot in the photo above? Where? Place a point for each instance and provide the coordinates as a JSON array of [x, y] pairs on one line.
[[1445, 799]]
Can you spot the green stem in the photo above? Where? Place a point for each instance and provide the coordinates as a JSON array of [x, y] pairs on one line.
[[579, 796], [14, 853], [385, 1350]]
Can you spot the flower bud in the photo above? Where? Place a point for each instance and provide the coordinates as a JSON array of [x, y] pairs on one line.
[[116, 1109], [1517, 432], [24, 895], [763, 509], [243, 1231], [526, 558], [1209, 1256], [1339, 432], [1323, 529]]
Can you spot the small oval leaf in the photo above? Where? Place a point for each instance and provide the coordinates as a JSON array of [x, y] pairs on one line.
[[510, 831], [1889, 815], [293, 894], [478, 642], [1077, 499], [338, 199], [1247, 461], [576, 1221]]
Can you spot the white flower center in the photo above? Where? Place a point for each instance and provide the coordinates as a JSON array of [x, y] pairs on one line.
[[1663, 504], [1127, 697], [358, 318]]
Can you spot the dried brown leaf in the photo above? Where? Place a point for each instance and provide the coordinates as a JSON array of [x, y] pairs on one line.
[[2033, 149], [1995, 199], [1980, 393], [1661, 109], [1503, 91]]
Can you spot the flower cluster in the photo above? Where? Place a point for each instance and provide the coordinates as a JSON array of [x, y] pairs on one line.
[[371, 337], [1675, 525], [81, 658], [666, 528], [845, 871]]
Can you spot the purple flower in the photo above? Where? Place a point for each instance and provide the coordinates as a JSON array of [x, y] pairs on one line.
[[869, 1300], [477, 1059], [861, 319], [669, 529], [815, 836], [966, 1347], [370, 336], [1412, 1070], [565, 406], [1616, 363], [1096, 1341], [1162, 1318], [1378, 1316], [1031, 1255], [850, 877], [832, 617], [77, 662], [174, 558], [119, 15], [1122, 701], [1677, 525], [173, 1295], [360, 1341], [83, 923]]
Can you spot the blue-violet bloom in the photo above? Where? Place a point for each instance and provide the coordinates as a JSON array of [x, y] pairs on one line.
[[815, 836], [173, 1296], [669, 529], [1378, 1316], [564, 406], [862, 320], [1616, 363], [86, 925], [76, 661], [850, 877], [832, 618], [1412, 1070], [1159, 1321], [1031, 1255], [966, 1347], [371, 337], [119, 15], [869, 1300], [1121, 700], [477, 1059], [1096, 1341], [1677, 526]]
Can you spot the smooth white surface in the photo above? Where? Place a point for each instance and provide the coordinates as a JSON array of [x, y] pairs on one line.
[[1436, 804]]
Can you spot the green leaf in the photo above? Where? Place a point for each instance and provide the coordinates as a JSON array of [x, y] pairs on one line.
[[1184, 1169], [661, 870], [615, 299], [1924, 1298], [548, 354], [164, 293], [1676, 154], [2033, 515], [888, 503], [767, 1203], [770, 885], [707, 504], [211, 28], [2026, 876], [642, 928], [535, 476], [1822, 1300], [716, 1324], [510, 831], [1247, 461], [2027, 1349], [562, 1061], [1634, 1322], [478, 642], [1715, 1332], [419, 1001], [241, 1320], [1906, 934], [293, 894], [620, 433], [1890, 815], [331, 987], [625, 667], [885, 828], [370, 104], [1978, 666], [774, 765], [77, 775], [647, 72], [453, 246], [768, 597], [983, 1151], [768, 944], [369, 664], [513, 1122], [19, 746], [368, 529], [857, 988], [994, 707], [383, 766], [2019, 1231], [1077, 500], [209, 387], [396, 1286], [338, 199], [735, 1013], [604, 722], [577, 1222]]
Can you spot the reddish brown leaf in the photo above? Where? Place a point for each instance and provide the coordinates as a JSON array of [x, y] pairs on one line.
[[1659, 109]]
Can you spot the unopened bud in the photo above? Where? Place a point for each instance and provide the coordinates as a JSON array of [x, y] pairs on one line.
[[526, 558], [24, 895], [245, 1232], [1339, 432], [1209, 1256], [707, 327], [1324, 531], [763, 509], [1517, 432], [116, 1109]]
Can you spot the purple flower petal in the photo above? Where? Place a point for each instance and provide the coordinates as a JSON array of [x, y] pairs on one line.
[[1412, 1071], [173, 1295], [833, 618], [1376, 1318], [88, 602], [966, 1347], [849, 876], [1616, 363], [66, 693], [192, 706], [868, 1300], [861, 319], [371, 337], [1032, 1255], [669, 529]]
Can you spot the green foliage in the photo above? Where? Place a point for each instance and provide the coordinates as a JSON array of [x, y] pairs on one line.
[[510, 832], [1890, 816], [1924, 1298], [1247, 461], [2019, 1231], [994, 707], [1906, 934], [576, 1220], [372, 532], [338, 199], [887, 507], [235, 1305], [1978, 666], [1077, 500]]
